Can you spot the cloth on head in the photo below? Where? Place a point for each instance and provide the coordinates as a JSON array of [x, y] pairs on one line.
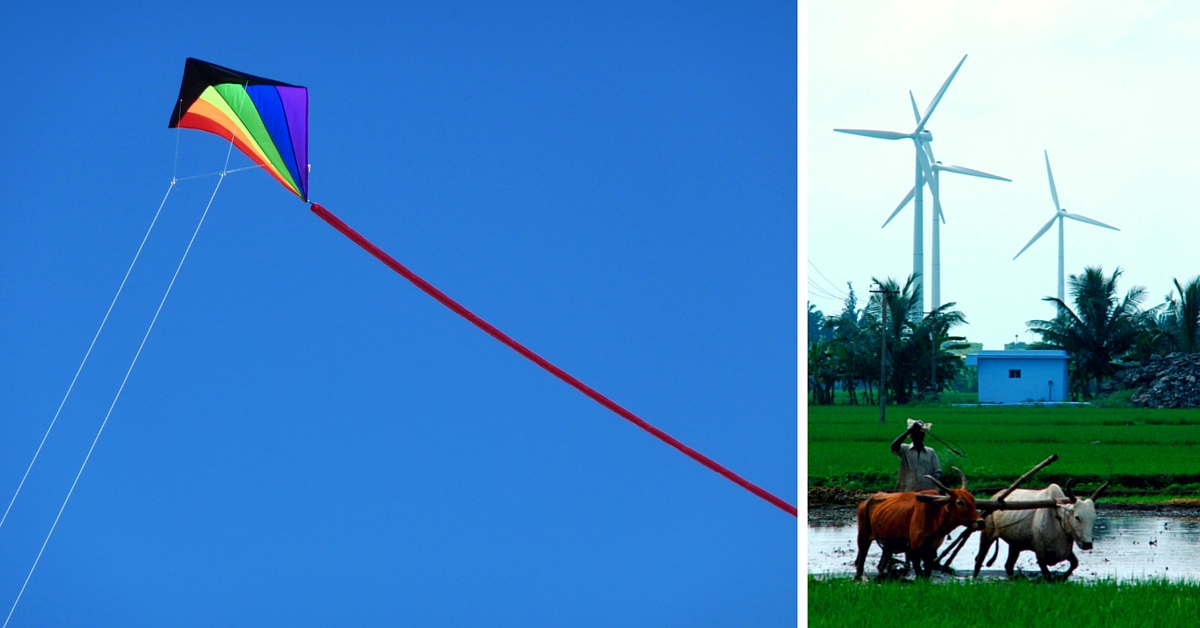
[[924, 426]]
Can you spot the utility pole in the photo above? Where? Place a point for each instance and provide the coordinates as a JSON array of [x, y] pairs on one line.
[[883, 308], [933, 388]]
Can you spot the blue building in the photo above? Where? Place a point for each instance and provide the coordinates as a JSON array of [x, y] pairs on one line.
[[1020, 376]]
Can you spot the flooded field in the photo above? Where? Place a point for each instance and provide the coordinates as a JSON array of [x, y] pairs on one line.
[[1128, 545]]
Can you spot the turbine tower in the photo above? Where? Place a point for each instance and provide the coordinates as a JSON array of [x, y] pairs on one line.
[[935, 272], [1059, 214], [924, 170]]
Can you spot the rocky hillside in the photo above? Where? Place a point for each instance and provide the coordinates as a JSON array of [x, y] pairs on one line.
[[1170, 382]]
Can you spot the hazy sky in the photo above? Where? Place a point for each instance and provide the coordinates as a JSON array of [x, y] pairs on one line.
[[1108, 88], [308, 439]]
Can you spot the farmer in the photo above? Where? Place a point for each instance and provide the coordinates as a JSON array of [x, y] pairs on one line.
[[916, 460]]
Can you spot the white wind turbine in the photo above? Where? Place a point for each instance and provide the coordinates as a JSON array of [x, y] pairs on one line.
[[937, 167], [1059, 214], [924, 170]]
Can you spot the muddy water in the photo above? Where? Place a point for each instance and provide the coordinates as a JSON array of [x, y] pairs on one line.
[[1128, 546]]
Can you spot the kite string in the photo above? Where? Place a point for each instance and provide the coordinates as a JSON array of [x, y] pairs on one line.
[[114, 401], [87, 354]]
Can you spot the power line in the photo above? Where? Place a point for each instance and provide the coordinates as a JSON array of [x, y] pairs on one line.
[[819, 288], [816, 289], [839, 291]]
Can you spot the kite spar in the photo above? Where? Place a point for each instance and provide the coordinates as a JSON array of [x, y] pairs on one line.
[[268, 121]]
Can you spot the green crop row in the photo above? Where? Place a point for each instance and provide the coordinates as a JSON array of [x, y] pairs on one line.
[[1137, 450], [999, 603]]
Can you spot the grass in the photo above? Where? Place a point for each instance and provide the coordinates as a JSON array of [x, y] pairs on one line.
[[1141, 452], [997, 604]]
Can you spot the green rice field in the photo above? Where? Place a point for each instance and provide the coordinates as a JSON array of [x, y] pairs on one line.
[[1143, 453], [998, 604]]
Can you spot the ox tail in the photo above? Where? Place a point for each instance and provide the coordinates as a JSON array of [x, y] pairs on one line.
[[995, 553], [866, 510], [864, 517]]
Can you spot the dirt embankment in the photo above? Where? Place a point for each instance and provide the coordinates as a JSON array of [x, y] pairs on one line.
[[835, 496], [832, 497]]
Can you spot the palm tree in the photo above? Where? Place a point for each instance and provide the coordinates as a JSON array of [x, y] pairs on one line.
[[935, 328], [852, 348], [822, 371], [1156, 334], [816, 325], [1183, 316], [1101, 328], [908, 336]]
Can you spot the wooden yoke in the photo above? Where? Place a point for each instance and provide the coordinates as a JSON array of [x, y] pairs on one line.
[[986, 506]]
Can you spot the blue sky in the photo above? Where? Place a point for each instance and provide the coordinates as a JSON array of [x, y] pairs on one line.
[[307, 439]]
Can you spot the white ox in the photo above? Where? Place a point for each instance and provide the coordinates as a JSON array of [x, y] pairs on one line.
[[1048, 532]]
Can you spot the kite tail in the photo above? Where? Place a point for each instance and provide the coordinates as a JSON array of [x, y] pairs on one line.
[[425, 286]]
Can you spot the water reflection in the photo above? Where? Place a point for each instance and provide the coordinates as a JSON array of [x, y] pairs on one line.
[[1127, 546]]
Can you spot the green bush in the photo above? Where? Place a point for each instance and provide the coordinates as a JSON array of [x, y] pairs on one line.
[[1118, 399]]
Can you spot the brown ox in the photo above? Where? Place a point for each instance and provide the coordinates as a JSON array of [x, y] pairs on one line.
[[914, 523]]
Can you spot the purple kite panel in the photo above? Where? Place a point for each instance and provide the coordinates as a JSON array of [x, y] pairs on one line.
[[295, 106]]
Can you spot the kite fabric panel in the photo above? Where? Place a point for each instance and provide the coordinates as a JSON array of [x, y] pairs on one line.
[[266, 119]]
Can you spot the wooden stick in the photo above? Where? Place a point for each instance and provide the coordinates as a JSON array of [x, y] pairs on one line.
[[959, 542], [993, 504], [1012, 487], [964, 538]]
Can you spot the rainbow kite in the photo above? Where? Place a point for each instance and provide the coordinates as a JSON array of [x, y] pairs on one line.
[[267, 120]]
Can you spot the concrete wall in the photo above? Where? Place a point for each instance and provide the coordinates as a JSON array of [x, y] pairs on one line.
[[1019, 376]]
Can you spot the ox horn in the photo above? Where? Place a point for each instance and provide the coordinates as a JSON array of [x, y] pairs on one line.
[[963, 476], [940, 487], [1070, 493], [1097, 493]]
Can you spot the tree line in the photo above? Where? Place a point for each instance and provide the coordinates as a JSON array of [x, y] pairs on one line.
[[1104, 332], [847, 350], [1100, 330]]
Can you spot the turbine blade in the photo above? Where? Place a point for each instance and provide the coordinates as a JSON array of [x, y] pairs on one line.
[[916, 112], [1053, 191], [1036, 236], [935, 189], [938, 98], [972, 172], [923, 162], [883, 135], [907, 198], [932, 181], [1090, 221], [929, 153]]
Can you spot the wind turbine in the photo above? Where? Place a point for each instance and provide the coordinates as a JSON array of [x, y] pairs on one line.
[[1059, 214], [924, 170], [937, 167]]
